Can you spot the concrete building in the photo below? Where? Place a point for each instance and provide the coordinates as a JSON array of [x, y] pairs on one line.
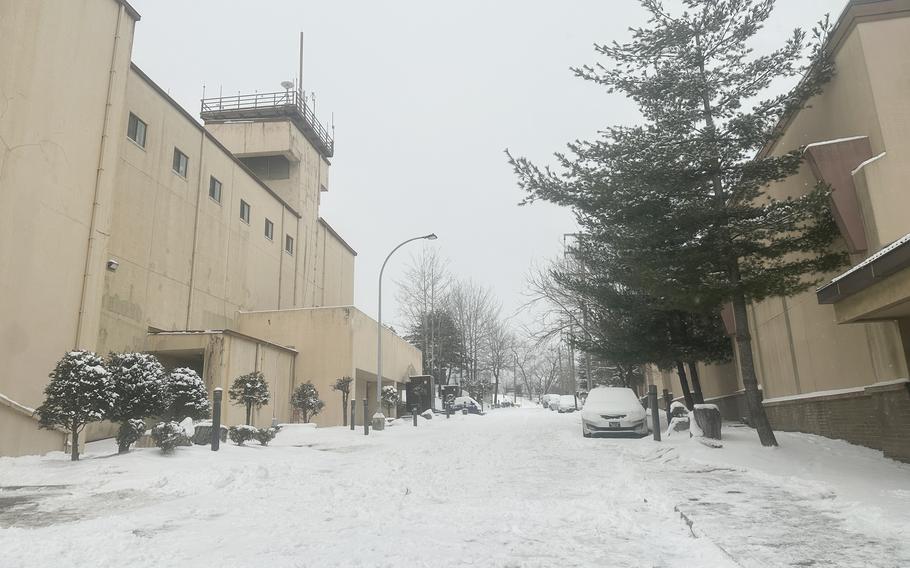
[[125, 224], [835, 362]]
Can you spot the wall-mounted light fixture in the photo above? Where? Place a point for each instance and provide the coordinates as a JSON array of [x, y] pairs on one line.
[[112, 265]]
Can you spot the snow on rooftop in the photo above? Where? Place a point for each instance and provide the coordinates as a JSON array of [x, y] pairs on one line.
[[867, 162], [901, 241], [836, 141]]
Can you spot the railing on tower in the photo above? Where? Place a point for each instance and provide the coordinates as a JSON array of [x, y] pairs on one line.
[[264, 105]]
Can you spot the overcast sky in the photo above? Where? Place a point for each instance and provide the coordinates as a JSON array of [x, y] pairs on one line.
[[426, 95]]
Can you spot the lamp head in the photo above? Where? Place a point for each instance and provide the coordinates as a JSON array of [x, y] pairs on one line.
[[431, 237]]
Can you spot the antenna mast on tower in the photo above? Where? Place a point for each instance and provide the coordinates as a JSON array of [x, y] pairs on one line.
[[300, 68]]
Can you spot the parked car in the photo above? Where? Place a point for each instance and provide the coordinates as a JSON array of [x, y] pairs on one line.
[[566, 403], [613, 410], [462, 402], [554, 402], [548, 399]]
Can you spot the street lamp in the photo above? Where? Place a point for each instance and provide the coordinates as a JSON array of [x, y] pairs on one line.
[[379, 417]]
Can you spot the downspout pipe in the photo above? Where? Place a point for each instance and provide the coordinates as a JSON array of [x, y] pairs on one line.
[[93, 244]]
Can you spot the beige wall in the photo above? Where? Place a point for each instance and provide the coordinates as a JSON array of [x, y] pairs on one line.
[[332, 343], [799, 346], [228, 355], [325, 267], [716, 380], [61, 63]]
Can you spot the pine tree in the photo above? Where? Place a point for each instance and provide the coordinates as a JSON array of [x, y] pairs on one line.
[[684, 196], [629, 327], [306, 400], [138, 381], [251, 391], [186, 396], [79, 392], [343, 385]]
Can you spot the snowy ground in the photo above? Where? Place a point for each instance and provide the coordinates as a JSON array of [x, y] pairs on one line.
[[517, 487]]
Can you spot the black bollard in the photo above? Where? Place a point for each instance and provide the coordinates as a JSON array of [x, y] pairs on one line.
[[655, 411], [448, 411], [216, 420], [415, 415], [668, 400], [366, 419], [353, 412]]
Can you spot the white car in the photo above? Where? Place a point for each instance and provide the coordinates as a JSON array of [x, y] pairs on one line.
[[566, 403], [613, 410], [554, 402]]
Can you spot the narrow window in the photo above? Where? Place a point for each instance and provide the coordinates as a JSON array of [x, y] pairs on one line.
[[135, 130], [269, 230], [289, 244], [245, 212], [215, 189], [180, 162]]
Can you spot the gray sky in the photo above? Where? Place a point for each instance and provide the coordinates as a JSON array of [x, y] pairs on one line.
[[426, 96]]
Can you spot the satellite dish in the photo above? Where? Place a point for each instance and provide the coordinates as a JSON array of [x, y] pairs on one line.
[[288, 85]]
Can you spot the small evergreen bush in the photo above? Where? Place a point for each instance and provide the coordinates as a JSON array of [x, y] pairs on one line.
[[130, 431], [266, 435], [243, 433], [169, 435]]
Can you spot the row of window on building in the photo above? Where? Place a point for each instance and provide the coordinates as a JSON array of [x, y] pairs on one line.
[[136, 131]]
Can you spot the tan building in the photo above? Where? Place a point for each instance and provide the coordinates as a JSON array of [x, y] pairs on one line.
[[835, 362], [127, 225]]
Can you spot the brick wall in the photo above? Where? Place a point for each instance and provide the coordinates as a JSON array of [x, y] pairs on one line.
[[878, 417]]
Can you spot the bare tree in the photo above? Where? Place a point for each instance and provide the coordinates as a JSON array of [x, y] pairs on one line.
[[422, 298], [537, 365], [474, 310], [498, 352]]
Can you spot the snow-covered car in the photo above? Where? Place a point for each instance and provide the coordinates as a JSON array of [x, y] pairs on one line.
[[613, 410], [566, 403], [546, 399], [554, 402], [462, 402]]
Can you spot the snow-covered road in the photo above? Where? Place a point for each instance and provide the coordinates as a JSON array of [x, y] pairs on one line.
[[517, 487]]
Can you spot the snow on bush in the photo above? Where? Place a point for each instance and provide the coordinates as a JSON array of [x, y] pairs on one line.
[[137, 379], [678, 409], [129, 433], [251, 391], [169, 435], [243, 433], [306, 400], [266, 435], [79, 392], [186, 396], [390, 397]]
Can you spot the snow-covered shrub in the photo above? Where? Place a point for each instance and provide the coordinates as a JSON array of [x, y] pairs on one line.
[[390, 398], [306, 400], [266, 435], [79, 392], [169, 435], [186, 396], [251, 391], [243, 433], [130, 431], [138, 381], [678, 409]]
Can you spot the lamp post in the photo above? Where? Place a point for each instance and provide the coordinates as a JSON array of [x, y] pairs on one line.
[[379, 417]]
